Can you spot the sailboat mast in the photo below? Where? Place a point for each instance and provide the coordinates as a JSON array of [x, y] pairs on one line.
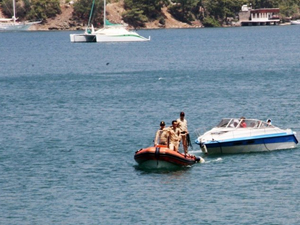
[[91, 13], [14, 10], [104, 14]]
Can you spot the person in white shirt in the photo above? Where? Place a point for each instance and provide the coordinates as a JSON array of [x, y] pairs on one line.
[[174, 136], [162, 135], [182, 125]]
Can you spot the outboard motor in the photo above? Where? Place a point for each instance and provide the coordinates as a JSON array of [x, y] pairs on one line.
[[203, 148]]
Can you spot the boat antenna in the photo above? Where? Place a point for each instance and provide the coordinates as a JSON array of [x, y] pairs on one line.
[[91, 13]]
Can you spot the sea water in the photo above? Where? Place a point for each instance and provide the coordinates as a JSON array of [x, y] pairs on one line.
[[72, 116]]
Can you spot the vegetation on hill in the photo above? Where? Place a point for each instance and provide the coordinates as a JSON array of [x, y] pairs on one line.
[[139, 12], [210, 13], [82, 11], [32, 9]]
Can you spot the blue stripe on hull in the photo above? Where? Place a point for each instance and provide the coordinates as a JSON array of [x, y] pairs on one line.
[[252, 145], [254, 141]]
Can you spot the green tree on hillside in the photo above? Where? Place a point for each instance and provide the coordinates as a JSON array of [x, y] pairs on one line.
[[21, 8], [138, 12], [289, 8], [135, 17], [82, 10], [43, 9], [32, 10], [217, 11], [184, 10]]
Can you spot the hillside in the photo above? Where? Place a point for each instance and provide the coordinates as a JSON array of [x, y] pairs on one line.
[[114, 11]]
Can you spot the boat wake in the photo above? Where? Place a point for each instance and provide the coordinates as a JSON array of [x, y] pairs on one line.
[[195, 152], [214, 160]]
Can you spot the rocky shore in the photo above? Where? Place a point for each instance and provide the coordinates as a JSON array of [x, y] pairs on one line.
[[64, 21]]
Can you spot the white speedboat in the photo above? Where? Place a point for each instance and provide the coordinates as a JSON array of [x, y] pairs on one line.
[[109, 33], [295, 22], [245, 135]]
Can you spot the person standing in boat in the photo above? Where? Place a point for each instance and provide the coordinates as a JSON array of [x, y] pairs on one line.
[[182, 125], [161, 136], [174, 136], [243, 122]]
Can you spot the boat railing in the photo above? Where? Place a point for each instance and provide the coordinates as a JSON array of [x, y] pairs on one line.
[[238, 132], [237, 123], [200, 131], [233, 127]]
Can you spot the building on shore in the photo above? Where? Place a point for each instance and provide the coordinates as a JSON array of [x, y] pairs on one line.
[[258, 17]]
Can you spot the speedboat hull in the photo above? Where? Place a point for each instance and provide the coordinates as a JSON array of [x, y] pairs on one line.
[[260, 137], [161, 156], [249, 145]]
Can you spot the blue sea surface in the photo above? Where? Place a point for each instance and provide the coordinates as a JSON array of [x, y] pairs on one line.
[[72, 116]]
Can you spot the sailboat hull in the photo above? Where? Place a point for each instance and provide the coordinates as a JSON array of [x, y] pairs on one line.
[[77, 38], [118, 34], [83, 38], [16, 26], [12, 27], [120, 38]]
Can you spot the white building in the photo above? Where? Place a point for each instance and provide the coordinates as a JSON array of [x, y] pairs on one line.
[[256, 17]]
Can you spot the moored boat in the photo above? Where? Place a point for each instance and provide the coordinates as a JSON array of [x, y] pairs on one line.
[[87, 36], [160, 156], [109, 33], [295, 22], [11, 24], [245, 135]]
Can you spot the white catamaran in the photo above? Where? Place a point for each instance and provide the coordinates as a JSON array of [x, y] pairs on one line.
[[11, 24], [109, 33]]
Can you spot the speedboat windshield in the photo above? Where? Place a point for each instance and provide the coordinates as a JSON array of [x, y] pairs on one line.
[[243, 123], [224, 123]]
